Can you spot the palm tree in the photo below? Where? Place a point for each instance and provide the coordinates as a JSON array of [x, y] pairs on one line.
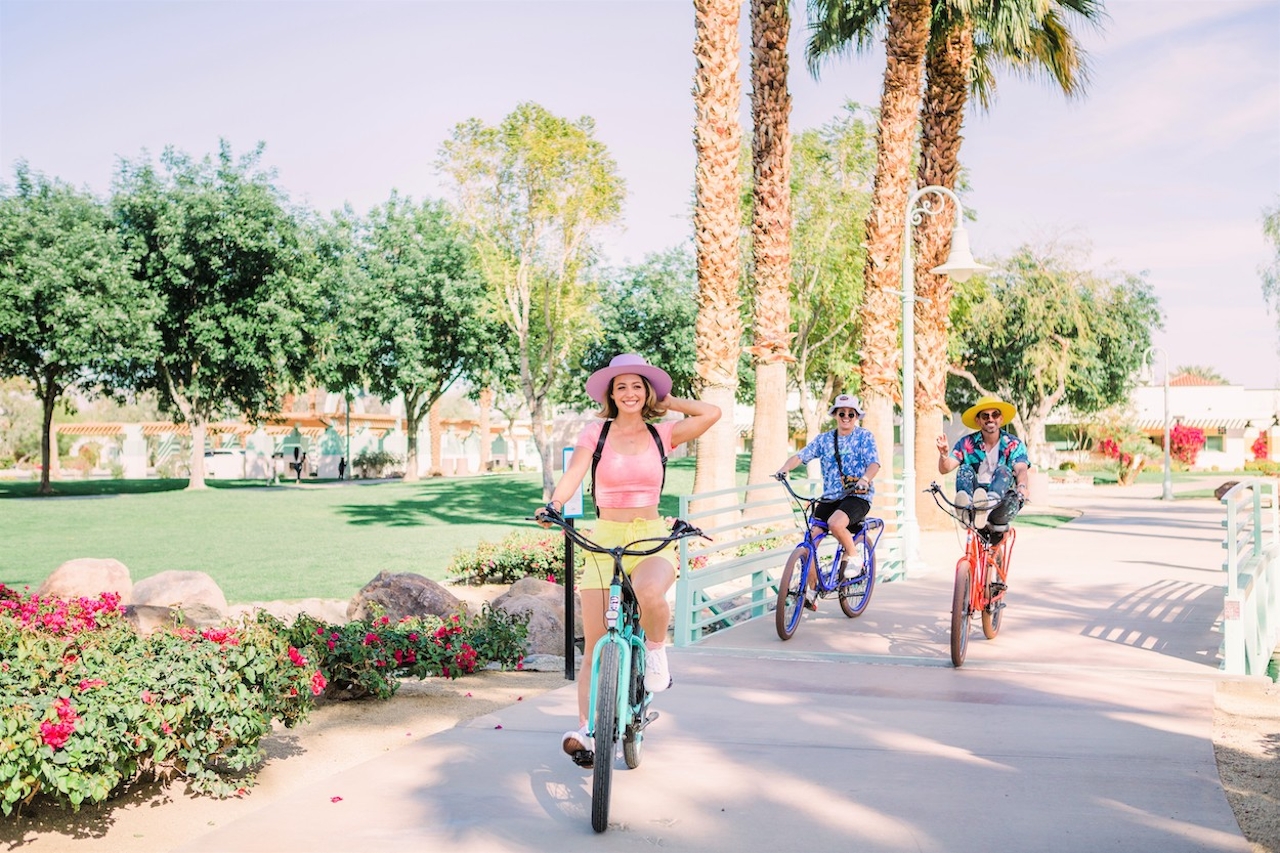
[[716, 219], [770, 232], [964, 51], [906, 41]]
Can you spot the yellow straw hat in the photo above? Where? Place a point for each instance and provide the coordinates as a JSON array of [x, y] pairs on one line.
[[970, 416]]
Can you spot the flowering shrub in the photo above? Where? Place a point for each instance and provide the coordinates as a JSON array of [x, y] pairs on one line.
[[90, 706], [1185, 443], [1130, 450], [517, 555], [368, 658], [1261, 448]]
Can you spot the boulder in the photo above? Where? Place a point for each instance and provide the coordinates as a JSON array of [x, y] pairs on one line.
[[332, 611], [87, 577], [159, 600], [401, 595], [544, 604]]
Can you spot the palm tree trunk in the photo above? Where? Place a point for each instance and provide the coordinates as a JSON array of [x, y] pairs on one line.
[[486, 409], [905, 44], [771, 232], [948, 67], [717, 218], [435, 427]]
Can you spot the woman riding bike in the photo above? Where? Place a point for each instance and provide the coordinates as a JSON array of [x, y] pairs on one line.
[[628, 476]]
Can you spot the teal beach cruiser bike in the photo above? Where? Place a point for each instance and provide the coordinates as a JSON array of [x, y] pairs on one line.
[[619, 707], [853, 585]]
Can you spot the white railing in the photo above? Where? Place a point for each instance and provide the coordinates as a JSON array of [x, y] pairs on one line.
[[1251, 606], [734, 577]]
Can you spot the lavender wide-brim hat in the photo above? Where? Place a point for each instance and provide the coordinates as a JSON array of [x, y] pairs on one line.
[[628, 362]]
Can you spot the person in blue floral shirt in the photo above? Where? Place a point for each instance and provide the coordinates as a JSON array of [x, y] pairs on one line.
[[993, 465], [849, 465]]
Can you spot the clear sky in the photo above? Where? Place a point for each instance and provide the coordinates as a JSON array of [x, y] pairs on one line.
[[1164, 167]]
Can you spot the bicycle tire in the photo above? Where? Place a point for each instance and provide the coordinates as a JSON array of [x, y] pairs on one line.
[[959, 615], [791, 586], [606, 735], [855, 593], [993, 607], [633, 735]]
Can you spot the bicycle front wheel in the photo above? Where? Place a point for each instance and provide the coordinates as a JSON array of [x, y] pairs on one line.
[[633, 736], [858, 578], [606, 735], [791, 593], [959, 618]]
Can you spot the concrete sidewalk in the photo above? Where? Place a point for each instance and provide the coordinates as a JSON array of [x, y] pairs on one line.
[[1085, 726]]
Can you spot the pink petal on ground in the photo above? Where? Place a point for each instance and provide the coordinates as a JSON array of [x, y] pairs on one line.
[[335, 799]]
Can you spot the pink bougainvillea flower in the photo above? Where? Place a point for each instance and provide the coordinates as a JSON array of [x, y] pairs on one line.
[[370, 638], [320, 631], [413, 638], [318, 683], [165, 727], [148, 697], [90, 683], [298, 658]]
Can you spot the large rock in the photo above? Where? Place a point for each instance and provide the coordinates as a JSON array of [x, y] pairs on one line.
[[332, 611], [544, 603], [87, 577], [190, 597], [401, 595]]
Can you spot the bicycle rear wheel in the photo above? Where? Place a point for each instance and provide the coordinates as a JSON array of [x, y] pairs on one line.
[[606, 735], [859, 579], [633, 735], [959, 618], [791, 588]]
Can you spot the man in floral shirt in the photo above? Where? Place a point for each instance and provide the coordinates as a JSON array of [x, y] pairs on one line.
[[993, 465], [849, 464]]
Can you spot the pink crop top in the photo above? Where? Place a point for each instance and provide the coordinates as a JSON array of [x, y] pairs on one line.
[[626, 481]]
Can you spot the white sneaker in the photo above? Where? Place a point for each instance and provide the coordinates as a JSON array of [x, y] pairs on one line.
[[657, 675], [579, 746]]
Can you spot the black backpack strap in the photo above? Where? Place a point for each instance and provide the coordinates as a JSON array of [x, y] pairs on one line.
[[595, 458], [835, 441]]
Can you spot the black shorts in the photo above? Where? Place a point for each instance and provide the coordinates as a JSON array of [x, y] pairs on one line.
[[854, 507]]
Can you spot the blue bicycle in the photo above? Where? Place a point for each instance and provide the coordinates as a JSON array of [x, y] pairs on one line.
[[853, 585], [619, 708]]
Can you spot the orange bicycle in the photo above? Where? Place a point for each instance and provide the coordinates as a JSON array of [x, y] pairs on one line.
[[980, 575]]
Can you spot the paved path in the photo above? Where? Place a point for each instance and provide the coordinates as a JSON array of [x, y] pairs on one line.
[[1085, 726]]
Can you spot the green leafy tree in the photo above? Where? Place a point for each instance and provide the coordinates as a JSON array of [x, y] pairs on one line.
[[1041, 332], [534, 191], [832, 169], [218, 246], [1270, 272], [418, 308], [70, 313], [647, 308]]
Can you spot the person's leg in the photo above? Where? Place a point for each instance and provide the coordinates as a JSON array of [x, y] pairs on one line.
[[1002, 514], [593, 607], [651, 578]]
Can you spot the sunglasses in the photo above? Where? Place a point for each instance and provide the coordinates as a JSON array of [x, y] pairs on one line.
[[989, 416], [845, 414]]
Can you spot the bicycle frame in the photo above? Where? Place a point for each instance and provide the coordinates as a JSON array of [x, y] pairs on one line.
[[854, 591], [975, 592]]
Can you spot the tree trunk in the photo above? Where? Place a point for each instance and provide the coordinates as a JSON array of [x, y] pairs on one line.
[[486, 407], [48, 443], [771, 233], [905, 44], [435, 427], [948, 67], [412, 422], [717, 221], [542, 441], [198, 427]]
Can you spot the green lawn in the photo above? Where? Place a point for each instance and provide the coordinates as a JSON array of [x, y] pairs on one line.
[[318, 539]]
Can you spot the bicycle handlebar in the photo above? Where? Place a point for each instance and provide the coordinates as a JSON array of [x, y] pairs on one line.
[[680, 530], [786, 482]]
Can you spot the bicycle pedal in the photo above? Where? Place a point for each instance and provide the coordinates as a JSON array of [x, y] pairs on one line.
[[649, 718], [584, 758], [997, 588]]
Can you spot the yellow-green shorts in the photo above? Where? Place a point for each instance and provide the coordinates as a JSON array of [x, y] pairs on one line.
[[598, 570]]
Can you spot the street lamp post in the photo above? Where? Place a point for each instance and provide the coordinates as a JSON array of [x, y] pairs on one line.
[[1148, 359], [960, 266]]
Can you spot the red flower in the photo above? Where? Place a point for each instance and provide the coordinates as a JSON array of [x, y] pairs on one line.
[[370, 638], [90, 683], [299, 660], [148, 697], [318, 683]]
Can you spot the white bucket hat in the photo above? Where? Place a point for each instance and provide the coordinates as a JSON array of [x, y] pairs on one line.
[[846, 401]]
